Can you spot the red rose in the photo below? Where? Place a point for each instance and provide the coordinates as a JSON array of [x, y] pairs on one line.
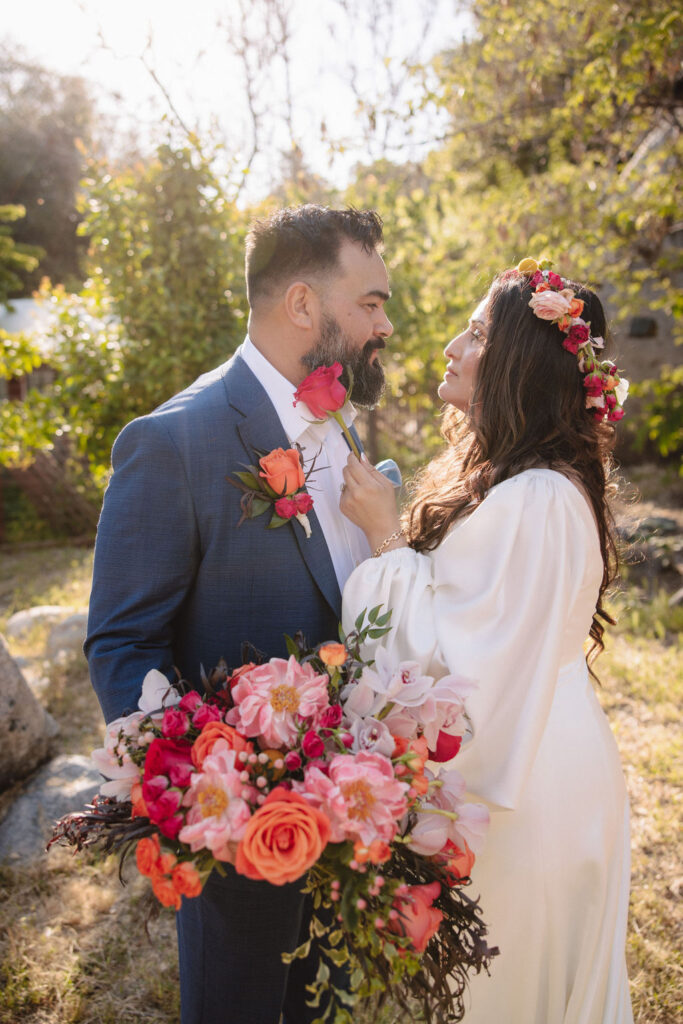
[[322, 391], [303, 502], [615, 414], [554, 280], [292, 761], [286, 508], [447, 747], [570, 345], [171, 758], [312, 745]]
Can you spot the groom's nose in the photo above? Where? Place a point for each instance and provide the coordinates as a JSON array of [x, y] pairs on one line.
[[385, 328]]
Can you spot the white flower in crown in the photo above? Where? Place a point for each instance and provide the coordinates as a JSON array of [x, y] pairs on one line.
[[621, 390]]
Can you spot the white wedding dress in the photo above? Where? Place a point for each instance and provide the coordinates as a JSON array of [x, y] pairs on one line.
[[507, 600]]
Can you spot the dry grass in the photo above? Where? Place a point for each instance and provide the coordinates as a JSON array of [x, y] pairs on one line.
[[73, 942]]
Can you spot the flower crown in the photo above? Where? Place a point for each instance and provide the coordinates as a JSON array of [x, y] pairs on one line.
[[553, 300]]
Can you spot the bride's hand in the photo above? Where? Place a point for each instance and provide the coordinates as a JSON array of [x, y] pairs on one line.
[[369, 500]]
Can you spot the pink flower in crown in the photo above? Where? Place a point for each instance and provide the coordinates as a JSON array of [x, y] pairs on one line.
[[554, 280], [549, 305], [595, 401], [593, 384], [537, 279], [219, 807], [271, 699], [615, 414], [361, 796]]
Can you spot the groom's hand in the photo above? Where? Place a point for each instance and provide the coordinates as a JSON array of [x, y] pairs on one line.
[[369, 500]]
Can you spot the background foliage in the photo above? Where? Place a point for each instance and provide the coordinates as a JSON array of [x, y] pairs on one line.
[[559, 133]]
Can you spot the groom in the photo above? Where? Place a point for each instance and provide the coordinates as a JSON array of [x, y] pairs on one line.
[[177, 583]]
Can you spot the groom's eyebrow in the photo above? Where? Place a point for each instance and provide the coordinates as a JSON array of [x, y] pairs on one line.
[[384, 296]]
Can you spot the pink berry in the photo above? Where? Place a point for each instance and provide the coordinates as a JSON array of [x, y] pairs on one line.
[[361, 904]]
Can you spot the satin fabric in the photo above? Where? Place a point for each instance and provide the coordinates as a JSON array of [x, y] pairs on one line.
[[507, 600]]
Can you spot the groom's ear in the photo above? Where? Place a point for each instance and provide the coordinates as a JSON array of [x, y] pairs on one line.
[[301, 305]]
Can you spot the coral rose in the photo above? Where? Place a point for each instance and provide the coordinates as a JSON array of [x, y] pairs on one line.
[[322, 391], [549, 305], [186, 880], [212, 732], [333, 654], [147, 854], [457, 861], [282, 470], [418, 919], [165, 892], [283, 839]]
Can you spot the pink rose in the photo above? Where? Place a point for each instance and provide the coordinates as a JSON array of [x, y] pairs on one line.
[[570, 344], [593, 384], [293, 761], [554, 280], [312, 745], [322, 391], [549, 305], [331, 717], [204, 714], [615, 414], [174, 723], [537, 279], [190, 701]]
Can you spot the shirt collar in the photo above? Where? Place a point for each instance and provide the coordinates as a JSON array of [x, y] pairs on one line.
[[295, 419]]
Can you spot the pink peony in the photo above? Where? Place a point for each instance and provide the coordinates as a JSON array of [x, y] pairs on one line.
[[549, 305], [361, 796], [271, 699], [218, 813]]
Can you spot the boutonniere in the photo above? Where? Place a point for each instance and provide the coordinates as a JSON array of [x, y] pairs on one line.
[[325, 395], [276, 484]]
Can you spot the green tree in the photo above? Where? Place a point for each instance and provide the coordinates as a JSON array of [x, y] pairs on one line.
[[16, 260], [45, 124]]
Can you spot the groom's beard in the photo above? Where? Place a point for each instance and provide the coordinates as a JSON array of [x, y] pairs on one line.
[[334, 346]]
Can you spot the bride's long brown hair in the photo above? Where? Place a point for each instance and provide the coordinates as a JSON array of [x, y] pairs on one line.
[[527, 410]]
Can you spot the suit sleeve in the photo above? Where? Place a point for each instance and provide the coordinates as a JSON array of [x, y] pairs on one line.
[[146, 558]]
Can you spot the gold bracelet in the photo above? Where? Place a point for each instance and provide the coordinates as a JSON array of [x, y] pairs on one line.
[[386, 542]]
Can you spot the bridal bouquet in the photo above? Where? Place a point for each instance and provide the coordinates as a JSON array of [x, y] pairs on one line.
[[314, 768]]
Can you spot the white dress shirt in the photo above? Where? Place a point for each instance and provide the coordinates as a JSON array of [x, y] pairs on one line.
[[346, 542]]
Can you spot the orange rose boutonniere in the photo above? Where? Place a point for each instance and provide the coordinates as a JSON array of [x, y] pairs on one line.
[[277, 484]]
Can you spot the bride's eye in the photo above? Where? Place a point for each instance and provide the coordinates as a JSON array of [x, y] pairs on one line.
[[477, 334]]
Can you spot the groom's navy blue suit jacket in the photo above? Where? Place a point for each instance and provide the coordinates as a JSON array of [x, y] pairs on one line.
[[176, 582]]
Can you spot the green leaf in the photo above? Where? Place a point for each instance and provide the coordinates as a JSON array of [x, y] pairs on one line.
[[248, 479], [259, 506]]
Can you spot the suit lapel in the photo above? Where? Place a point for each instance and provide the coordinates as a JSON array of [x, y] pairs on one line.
[[261, 429]]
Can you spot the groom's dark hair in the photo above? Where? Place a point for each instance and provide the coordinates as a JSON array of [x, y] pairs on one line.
[[303, 240]]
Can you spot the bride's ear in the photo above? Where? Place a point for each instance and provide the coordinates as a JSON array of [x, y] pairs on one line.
[[302, 306]]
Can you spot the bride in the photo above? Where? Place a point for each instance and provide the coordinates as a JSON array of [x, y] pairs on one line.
[[498, 571]]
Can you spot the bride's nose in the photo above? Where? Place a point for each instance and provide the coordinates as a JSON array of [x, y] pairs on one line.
[[453, 349]]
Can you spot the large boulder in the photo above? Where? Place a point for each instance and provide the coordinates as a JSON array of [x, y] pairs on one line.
[[28, 618], [67, 637], [65, 784], [24, 727]]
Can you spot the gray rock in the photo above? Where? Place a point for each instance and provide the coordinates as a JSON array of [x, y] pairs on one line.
[[42, 615], [34, 672], [65, 784], [24, 733], [67, 637]]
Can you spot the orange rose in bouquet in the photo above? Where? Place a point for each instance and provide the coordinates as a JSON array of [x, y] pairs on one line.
[[283, 839]]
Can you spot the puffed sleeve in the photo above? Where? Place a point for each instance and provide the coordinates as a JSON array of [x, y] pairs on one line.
[[497, 602]]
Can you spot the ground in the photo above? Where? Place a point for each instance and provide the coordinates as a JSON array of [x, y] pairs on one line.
[[77, 946]]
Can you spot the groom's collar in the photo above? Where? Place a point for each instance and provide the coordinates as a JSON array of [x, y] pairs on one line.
[[295, 419]]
